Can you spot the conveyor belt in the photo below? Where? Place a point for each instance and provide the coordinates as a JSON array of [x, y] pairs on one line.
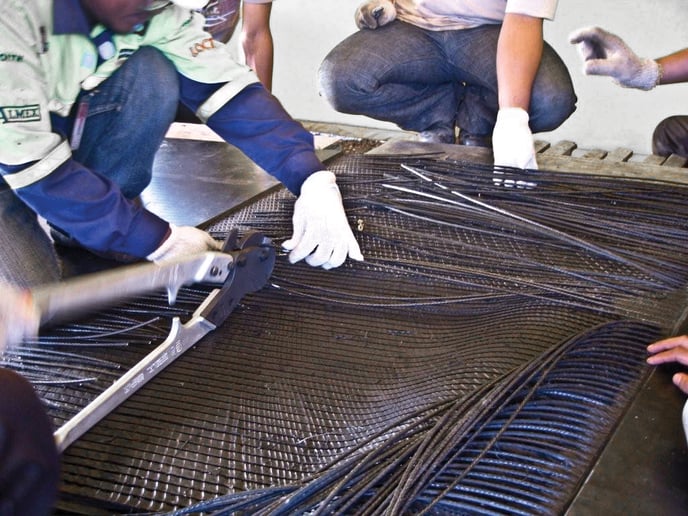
[[475, 363]]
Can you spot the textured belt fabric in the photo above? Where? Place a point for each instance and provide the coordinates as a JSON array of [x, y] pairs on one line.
[[475, 362]]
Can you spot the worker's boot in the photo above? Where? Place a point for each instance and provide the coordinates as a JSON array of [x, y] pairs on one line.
[[474, 140], [438, 134]]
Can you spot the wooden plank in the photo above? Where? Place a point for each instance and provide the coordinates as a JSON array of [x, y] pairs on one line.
[[629, 170], [595, 154], [540, 145], [546, 161], [620, 154], [562, 148], [675, 161], [654, 159]]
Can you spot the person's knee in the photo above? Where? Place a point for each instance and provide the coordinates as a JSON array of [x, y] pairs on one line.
[[345, 91], [153, 66], [660, 141], [152, 104], [553, 98], [551, 111], [328, 86], [671, 136], [155, 80]]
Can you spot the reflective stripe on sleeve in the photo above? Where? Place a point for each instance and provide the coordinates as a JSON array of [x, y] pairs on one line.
[[41, 169], [224, 95]]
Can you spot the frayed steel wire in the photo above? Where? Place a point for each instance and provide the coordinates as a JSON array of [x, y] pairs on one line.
[[573, 239], [505, 449], [495, 281]]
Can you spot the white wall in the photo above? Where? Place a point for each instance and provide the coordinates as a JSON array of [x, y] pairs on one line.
[[607, 116]]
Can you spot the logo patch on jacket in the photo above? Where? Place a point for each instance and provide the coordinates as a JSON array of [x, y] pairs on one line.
[[15, 58], [11, 114], [206, 44]]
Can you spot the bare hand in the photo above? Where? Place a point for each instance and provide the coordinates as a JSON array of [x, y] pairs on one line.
[[674, 349]]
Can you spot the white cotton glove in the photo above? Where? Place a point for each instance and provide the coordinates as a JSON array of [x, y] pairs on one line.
[[604, 53], [512, 141], [320, 222], [184, 241], [375, 13], [19, 317]]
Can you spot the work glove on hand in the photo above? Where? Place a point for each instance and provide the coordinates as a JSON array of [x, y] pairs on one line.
[[512, 141], [375, 13], [320, 222], [604, 53], [184, 241], [19, 317]]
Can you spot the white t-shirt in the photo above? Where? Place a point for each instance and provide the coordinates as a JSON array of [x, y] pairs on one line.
[[464, 14]]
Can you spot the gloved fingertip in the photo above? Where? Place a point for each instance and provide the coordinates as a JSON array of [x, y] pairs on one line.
[[299, 253], [290, 244], [305, 247], [294, 257], [336, 260], [356, 255], [314, 260], [589, 66]]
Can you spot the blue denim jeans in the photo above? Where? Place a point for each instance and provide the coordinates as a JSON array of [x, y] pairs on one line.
[[421, 79], [127, 118], [671, 136]]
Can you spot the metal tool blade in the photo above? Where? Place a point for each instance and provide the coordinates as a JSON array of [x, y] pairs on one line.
[[75, 297]]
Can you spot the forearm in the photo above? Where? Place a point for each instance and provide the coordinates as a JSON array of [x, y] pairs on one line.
[[674, 67], [519, 51], [255, 122], [256, 40], [93, 211]]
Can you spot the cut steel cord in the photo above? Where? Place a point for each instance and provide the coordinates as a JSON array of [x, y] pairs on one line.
[[529, 262], [544, 369], [627, 226], [550, 231]]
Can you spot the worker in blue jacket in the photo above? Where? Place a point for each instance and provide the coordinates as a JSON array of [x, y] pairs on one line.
[[88, 89]]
